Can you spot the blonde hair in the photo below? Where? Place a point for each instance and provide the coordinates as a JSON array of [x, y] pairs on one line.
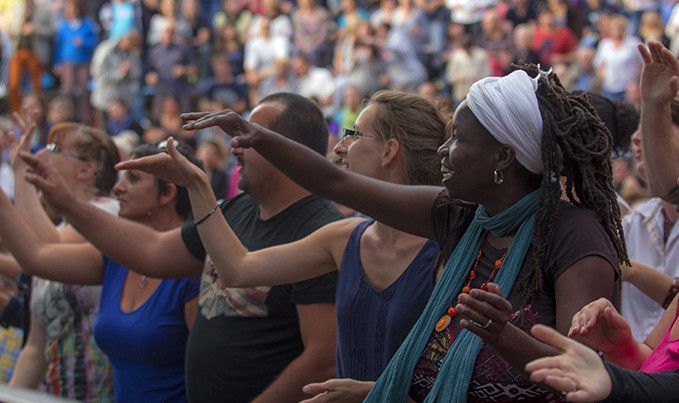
[[418, 127]]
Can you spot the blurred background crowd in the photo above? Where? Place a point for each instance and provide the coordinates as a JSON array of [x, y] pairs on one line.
[[131, 67]]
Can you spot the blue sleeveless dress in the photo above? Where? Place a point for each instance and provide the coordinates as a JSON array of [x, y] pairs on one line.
[[371, 324]]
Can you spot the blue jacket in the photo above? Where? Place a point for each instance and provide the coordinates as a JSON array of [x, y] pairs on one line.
[[68, 32]]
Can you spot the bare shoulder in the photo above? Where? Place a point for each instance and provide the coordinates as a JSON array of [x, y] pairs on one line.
[[336, 234]]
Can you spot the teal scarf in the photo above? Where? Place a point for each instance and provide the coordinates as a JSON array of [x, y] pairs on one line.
[[456, 370]]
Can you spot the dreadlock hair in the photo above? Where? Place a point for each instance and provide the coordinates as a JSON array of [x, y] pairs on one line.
[[575, 144]]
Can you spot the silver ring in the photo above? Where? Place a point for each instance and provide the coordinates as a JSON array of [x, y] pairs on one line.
[[490, 322]]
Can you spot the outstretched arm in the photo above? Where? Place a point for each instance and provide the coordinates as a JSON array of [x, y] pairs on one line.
[[77, 263], [655, 284], [138, 247], [407, 208], [315, 255], [583, 377], [659, 85]]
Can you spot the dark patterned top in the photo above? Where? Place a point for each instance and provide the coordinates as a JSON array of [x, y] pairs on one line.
[[577, 234]]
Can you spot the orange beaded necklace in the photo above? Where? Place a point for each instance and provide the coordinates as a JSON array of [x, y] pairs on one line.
[[447, 318]]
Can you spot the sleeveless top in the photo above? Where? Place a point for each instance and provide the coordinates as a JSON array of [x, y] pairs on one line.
[[665, 356], [371, 324], [76, 367], [146, 346]]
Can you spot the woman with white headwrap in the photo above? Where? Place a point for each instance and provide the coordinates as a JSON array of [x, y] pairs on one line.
[[511, 140]]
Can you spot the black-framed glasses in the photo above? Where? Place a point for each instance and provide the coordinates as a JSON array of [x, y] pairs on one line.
[[352, 134], [55, 148]]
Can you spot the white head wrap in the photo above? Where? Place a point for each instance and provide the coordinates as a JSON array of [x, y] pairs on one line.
[[508, 108]]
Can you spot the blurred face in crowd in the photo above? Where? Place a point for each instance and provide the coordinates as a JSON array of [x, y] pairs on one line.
[[617, 27], [270, 8], [585, 58], [427, 90], [167, 8], [523, 36], [621, 170], [209, 154], [546, 20], [352, 97], [282, 67], [116, 110], [221, 67], [190, 8], [168, 35], [348, 5], [70, 10], [300, 66]]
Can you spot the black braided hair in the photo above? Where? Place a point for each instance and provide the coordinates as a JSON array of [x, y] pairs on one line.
[[575, 145]]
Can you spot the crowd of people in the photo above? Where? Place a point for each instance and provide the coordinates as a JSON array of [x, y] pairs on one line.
[[340, 200]]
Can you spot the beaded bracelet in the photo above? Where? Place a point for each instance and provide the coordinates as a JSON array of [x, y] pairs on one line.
[[207, 215], [671, 293]]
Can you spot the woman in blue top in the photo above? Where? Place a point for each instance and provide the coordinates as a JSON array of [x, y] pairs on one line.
[[385, 275], [143, 323]]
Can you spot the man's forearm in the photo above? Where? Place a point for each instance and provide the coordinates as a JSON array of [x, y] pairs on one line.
[[307, 368]]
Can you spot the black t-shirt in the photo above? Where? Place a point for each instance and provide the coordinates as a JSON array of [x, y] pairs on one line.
[[577, 234], [244, 337]]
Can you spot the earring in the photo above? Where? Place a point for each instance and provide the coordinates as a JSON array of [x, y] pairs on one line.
[[498, 178]]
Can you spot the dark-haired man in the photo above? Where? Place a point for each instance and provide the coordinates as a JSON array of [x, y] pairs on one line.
[[257, 344]]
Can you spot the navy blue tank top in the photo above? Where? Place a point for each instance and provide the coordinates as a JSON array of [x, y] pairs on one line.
[[372, 324]]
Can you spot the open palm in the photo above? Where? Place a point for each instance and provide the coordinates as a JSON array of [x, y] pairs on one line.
[[600, 326], [660, 73], [171, 166]]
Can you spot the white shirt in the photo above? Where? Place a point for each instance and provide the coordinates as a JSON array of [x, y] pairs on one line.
[[644, 235], [621, 64], [261, 52], [468, 11], [318, 83]]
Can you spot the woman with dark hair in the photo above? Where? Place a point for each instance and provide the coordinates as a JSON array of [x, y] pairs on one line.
[[511, 140], [143, 323]]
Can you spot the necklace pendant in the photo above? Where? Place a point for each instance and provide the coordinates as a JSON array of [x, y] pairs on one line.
[[443, 323], [142, 281]]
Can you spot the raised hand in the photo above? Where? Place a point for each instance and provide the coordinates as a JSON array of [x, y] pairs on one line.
[[577, 371], [243, 132], [26, 125], [600, 326], [49, 181], [171, 166], [659, 75], [338, 390], [484, 313]]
